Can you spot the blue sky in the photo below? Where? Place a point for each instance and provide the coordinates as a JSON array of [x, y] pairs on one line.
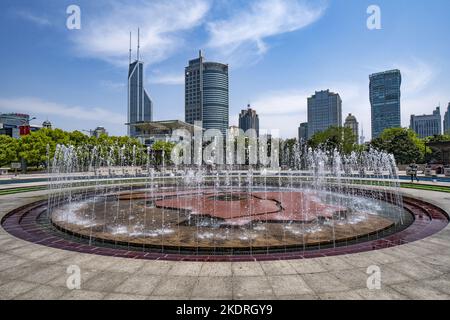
[[279, 52]]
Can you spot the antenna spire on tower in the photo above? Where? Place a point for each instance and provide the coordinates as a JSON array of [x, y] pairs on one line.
[[139, 44], [130, 49]]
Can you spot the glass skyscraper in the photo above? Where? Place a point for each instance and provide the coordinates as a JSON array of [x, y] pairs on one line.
[[324, 111], [352, 123], [140, 106], [447, 120], [206, 94], [427, 125], [303, 132], [384, 91], [248, 119]]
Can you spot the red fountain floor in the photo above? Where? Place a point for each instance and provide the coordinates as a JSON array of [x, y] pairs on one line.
[[256, 206]]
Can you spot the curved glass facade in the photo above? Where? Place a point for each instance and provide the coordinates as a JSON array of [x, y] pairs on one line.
[[206, 94], [215, 97]]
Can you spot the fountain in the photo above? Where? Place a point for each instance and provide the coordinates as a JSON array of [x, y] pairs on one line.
[[325, 200], [126, 202]]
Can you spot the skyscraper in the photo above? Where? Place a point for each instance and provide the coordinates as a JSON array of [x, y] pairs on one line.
[[427, 125], [140, 106], [352, 123], [324, 111], [206, 94], [384, 90], [447, 120], [248, 119], [303, 132]]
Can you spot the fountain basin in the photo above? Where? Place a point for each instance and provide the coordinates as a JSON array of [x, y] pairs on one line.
[[224, 221]]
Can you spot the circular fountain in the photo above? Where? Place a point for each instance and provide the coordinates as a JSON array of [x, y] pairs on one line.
[[227, 221], [108, 202]]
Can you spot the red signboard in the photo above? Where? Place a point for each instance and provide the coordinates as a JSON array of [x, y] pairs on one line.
[[24, 130]]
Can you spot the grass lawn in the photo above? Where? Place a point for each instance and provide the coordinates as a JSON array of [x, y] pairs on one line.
[[20, 190], [425, 187]]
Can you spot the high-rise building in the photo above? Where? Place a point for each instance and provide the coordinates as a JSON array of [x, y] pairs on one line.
[[248, 119], [427, 125], [362, 138], [384, 91], [97, 132], [324, 111], [352, 123], [206, 94], [140, 106], [303, 132], [447, 120]]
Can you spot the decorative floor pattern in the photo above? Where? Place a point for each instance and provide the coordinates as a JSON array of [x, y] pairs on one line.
[[23, 223]]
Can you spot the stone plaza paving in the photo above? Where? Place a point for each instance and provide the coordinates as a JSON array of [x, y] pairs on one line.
[[418, 270]]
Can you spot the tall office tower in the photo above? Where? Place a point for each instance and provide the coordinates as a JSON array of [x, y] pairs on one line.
[[362, 138], [447, 120], [427, 125], [352, 123], [303, 132], [206, 94], [384, 91], [324, 111], [140, 106], [248, 119]]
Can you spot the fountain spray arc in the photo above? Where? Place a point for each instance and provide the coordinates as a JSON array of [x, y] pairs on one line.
[[317, 199]]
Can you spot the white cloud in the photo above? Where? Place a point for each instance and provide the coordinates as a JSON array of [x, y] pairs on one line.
[[416, 75], [247, 29], [106, 34], [36, 19], [36, 106], [113, 85], [281, 102], [168, 79]]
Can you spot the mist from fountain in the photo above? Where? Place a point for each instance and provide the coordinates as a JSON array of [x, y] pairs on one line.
[[323, 198]]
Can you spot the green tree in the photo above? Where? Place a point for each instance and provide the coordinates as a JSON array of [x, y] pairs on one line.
[[287, 154], [339, 138], [434, 154], [8, 150], [33, 147], [78, 138], [402, 143], [160, 147]]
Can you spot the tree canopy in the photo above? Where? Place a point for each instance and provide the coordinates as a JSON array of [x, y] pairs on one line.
[[36, 147], [8, 150], [335, 138], [402, 143]]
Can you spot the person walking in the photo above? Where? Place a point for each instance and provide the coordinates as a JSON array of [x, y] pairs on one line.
[[413, 172]]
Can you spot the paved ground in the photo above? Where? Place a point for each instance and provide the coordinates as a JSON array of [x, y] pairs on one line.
[[420, 270]]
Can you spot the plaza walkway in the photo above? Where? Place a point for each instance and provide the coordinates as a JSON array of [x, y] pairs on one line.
[[419, 270]]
